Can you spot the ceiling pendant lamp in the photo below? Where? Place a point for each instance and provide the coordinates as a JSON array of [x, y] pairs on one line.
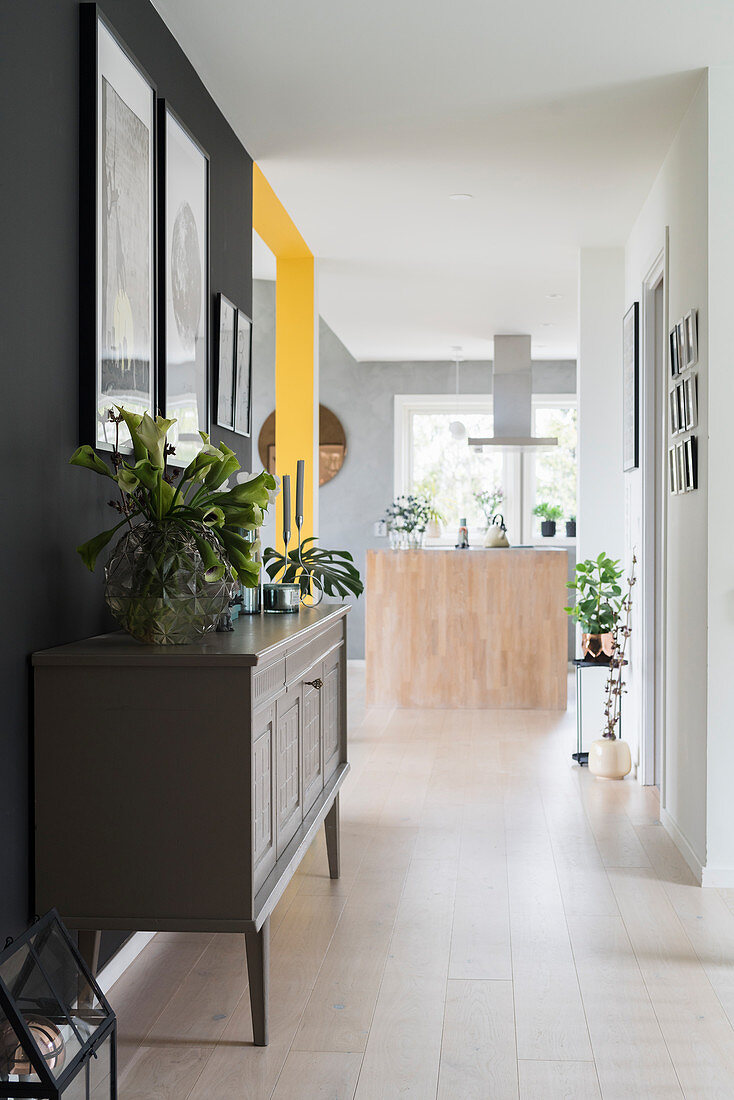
[[457, 428]]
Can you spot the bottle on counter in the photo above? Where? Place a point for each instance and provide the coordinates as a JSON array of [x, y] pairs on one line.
[[463, 538]]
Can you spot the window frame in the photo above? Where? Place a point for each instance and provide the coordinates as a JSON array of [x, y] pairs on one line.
[[406, 405], [545, 401]]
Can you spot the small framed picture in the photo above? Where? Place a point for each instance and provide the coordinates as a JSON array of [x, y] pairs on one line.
[[243, 374], [225, 363], [690, 448], [682, 352], [674, 411], [674, 356], [691, 326], [680, 456], [672, 471], [690, 402]]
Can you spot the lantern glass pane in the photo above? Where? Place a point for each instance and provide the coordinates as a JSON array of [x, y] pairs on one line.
[[14, 1063], [100, 1072]]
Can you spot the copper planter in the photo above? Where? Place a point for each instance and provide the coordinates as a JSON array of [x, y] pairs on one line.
[[598, 647]]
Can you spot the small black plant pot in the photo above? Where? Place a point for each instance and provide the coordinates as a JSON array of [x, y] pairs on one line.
[[571, 529], [548, 528]]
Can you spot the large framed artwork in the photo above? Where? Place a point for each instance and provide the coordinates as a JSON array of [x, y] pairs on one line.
[[631, 387], [243, 374], [117, 231], [227, 314], [183, 278]]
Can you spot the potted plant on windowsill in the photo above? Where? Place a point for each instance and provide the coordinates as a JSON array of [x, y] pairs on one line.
[[434, 527], [571, 527], [598, 602], [549, 514]]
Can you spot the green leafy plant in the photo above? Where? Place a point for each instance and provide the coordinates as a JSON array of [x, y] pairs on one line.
[[549, 512], [334, 570], [615, 684], [598, 594], [214, 516], [434, 515], [571, 519], [489, 501]]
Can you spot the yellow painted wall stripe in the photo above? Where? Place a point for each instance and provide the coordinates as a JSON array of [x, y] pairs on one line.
[[295, 342]]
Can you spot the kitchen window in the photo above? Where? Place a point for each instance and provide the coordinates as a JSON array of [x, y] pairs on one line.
[[430, 460]]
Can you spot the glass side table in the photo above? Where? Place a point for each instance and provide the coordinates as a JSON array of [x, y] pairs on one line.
[[581, 757]]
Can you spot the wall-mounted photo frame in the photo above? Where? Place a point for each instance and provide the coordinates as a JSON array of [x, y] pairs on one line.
[[631, 388], [691, 326], [243, 375], [674, 411], [674, 353], [690, 448], [226, 327], [680, 456], [117, 232], [672, 471], [689, 404], [682, 348], [183, 276]]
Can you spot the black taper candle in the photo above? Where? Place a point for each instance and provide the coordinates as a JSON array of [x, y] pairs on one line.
[[286, 508], [300, 467]]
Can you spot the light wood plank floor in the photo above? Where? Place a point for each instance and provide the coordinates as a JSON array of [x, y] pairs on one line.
[[506, 926]]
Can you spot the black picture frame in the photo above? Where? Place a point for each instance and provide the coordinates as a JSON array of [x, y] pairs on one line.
[[243, 374], [631, 387], [178, 302], [690, 447], [226, 334], [123, 376], [674, 352]]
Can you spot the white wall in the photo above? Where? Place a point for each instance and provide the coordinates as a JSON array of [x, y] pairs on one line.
[[717, 474], [601, 483], [678, 199]]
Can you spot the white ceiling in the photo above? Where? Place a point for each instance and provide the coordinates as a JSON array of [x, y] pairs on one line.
[[366, 117]]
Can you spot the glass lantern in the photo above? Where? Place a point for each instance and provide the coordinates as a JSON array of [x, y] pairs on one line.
[[58, 1034]]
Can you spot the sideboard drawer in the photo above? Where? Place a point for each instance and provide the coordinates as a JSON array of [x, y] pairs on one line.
[[267, 682], [300, 660]]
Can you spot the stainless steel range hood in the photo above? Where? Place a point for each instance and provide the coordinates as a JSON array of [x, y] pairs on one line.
[[512, 398]]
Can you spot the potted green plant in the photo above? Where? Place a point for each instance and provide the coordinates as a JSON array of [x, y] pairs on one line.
[[407, 518], [435, 520], [549, 514], [571, 527], [610, 757], [172, 572], [598, 601], [332, 571]]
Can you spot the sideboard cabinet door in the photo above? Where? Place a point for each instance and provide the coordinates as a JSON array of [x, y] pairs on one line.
[[263, 801], [331, 711], [313, 759], [289, 746]]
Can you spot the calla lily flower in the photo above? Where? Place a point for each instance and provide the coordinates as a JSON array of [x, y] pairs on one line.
[[152, 433], [132, 421], [86, 456], [214, 517], [127, 480]]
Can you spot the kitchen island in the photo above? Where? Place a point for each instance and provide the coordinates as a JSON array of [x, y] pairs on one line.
[[467, 628]]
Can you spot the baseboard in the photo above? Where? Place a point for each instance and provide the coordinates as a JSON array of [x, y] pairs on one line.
[[684, 847], [718, 877], [120, 961]]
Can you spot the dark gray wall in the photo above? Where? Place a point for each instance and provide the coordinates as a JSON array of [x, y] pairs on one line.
[[49, 508]]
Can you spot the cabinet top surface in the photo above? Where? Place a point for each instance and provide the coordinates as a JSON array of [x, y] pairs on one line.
[[254, 638]]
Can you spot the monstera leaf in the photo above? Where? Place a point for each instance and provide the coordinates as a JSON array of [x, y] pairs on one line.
[[333, 570]]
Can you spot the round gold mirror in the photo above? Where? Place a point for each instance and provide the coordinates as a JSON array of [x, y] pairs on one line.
[[332, 444]]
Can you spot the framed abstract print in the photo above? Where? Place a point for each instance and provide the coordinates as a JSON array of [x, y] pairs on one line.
[[227, 319], [243, 374], [117, 231], [183, 277]]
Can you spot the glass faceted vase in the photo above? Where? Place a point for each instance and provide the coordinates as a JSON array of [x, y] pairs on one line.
[[156, 589]]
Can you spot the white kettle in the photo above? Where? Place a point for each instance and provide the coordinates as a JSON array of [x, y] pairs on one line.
[[496, 533]]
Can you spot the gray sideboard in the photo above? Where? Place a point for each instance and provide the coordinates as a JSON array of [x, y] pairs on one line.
[[179, 787]]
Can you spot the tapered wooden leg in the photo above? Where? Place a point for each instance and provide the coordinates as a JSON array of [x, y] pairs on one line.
[[257, 945], [331, 828]]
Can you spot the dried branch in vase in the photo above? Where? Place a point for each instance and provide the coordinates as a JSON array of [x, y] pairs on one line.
[[615, 685]]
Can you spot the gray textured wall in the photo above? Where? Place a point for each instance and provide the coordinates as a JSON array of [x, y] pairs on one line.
[[361, 395]]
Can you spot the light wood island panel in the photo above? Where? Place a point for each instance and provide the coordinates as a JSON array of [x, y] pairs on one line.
[[467, 628]]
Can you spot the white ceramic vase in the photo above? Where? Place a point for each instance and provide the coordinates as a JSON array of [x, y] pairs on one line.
[[610, 759]]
